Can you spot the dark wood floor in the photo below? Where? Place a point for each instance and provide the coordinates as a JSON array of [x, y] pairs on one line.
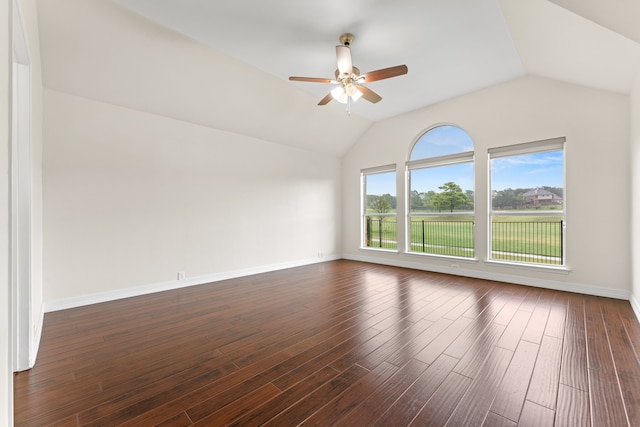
[[339, 343]]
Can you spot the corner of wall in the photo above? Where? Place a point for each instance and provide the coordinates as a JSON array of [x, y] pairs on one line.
[[634, 151], [6, 378], [635, 305]]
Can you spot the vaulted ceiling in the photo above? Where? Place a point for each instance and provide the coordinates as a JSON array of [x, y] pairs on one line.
[[226, 64]]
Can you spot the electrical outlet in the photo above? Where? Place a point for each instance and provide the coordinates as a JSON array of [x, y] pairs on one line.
[[181, 275]]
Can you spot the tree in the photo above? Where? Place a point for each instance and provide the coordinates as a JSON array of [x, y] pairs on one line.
[[391, 200], [471, 197], [430, 198], [509, 198], [451, 197], [380, 205], [437, 202], [417, 199], [505, 199]]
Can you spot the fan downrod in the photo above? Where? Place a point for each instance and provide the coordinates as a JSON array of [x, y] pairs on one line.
[[346, 39]]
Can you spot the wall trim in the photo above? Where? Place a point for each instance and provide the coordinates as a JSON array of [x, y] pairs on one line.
[[635, 306], [96, 298], [500, 277], [35, 345]]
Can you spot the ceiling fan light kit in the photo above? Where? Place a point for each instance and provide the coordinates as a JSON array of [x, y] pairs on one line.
[[342, 94], [350, 83]]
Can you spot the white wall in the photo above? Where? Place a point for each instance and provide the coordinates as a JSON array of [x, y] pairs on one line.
[[595, 124], [635, 195], [132, 198]]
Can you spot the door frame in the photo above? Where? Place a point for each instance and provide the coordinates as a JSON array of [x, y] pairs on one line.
[[20, 220]]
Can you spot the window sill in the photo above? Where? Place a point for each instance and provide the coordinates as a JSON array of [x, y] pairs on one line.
[[368, 248], [546, 268], [443, 257]]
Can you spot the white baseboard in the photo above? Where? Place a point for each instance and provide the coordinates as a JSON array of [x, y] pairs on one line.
[[635, 306], [65, 303], [500, 277], [35, 345]]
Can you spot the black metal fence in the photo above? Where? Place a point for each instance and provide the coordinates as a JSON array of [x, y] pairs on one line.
[[537, 242], [442, 237], [533, 241], [382, 232]]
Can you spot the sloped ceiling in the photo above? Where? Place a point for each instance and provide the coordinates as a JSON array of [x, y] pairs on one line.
[[96, 49], [226, 64], [620, 16], [557, 43], [450, 47]]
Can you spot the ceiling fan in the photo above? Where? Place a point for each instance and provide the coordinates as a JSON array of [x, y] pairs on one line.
[[349, 81]]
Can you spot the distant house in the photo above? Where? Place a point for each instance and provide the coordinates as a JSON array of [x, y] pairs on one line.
[[540, 197]]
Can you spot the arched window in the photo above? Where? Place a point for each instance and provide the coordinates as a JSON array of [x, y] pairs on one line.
[[442, 141], [441, 193]]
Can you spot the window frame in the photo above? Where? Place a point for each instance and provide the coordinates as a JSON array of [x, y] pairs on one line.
[[433, 162], [533, 147], [363, 205]]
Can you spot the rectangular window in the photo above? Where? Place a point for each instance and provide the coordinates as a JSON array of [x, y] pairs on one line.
[[527, 220], [379, 224], [441, 208]]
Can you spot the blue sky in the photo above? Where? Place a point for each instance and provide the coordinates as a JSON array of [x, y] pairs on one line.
[[528, 171], [440, 141], [381, 183], [524, 171], [424, 180]]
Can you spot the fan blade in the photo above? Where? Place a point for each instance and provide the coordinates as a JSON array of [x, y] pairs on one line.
[[326, 99], [368, 94], [385, 73], [343, 57], [312, 79]]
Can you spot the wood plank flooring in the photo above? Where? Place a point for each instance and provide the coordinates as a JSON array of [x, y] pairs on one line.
[[338, 344]]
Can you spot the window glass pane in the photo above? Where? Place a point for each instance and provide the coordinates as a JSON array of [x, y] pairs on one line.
[[379, 219], [441, 141], [442, 189], [441, 210], [441, 198], [540, 174], [381, 186], [527, 202]]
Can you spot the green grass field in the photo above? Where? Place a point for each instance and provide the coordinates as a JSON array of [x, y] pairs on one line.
[[443, 235], [531, 239]]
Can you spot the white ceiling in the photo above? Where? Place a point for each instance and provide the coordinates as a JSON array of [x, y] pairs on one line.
[[557, 43], [620, 16], [450, 47], [225, 64]]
